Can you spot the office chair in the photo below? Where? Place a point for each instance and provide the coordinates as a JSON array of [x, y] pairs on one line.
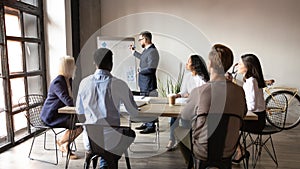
[[276, 118], [156, 140], [228, 126], [32, 104], [95, 133]]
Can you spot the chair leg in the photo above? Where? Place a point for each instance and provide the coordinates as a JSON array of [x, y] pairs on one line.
[[31, 147], [257, 151], [254, 142], [86, 165], [157, 135], [45, 139], [244, 142], [113, 164], [274, 157], [127, 160], [112, 161], [29, 155], [56, 149], [156, 141], [95, 161], [75, 147], [191, 162], [87, 160]]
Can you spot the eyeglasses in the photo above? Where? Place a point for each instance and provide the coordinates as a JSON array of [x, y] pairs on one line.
[[141, 39]]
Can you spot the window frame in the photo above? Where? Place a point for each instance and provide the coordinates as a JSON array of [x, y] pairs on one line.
[[5, 74]]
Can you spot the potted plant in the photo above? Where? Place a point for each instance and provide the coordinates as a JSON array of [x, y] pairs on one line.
[[172, 85]]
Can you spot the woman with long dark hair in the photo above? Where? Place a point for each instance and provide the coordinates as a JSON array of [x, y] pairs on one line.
[[254, 83], [199, 76]]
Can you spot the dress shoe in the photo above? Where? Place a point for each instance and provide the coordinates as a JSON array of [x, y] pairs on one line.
[[141, 127], [148, 130], [246, 156], [171, 146]]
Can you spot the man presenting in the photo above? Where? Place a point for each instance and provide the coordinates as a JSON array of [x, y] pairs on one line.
[[147, 79]]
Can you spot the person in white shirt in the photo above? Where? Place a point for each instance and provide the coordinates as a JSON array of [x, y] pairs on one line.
[[197, 77], [98, 102], [254, 83]]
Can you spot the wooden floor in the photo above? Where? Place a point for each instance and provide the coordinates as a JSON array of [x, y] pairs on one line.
[[287, 144]]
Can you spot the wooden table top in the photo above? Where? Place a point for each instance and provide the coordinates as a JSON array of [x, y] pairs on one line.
[[157, 107]]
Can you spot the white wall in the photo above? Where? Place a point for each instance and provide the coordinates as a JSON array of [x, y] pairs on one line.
[[267, 28], [58, 35]]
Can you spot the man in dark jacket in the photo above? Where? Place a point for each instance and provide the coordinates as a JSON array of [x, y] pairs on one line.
[[149, 59]]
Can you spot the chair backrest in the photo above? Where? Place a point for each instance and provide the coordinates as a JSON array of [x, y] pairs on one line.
[[97, 134], [122, 137], [96, 140], [219, 128], [277, 111], [33, 104]]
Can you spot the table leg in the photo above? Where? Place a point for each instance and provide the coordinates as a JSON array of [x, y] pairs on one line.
[[72, 134]]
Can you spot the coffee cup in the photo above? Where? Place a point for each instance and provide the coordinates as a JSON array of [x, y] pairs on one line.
[[171, 99]]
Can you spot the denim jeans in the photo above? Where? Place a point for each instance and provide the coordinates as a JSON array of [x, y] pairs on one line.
[[174, 123], [88, 148]]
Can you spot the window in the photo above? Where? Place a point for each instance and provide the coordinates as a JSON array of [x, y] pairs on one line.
[[22, 64]]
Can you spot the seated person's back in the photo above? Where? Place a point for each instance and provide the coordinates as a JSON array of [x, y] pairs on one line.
[[217, 96], [98, 102]]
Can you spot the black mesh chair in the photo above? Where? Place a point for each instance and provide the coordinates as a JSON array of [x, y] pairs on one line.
[[97, 144], [32, 104], [276, 117], [219, 128]]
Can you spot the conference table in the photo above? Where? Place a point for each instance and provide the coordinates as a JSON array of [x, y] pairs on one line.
[[155, 107], [150, 107]]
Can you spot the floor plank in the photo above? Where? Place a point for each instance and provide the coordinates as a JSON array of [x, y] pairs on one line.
[[287, 144]]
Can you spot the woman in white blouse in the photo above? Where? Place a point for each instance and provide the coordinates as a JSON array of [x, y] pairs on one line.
[[254, 83], [198, 76]]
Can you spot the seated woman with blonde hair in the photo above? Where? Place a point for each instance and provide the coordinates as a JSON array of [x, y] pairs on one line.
[[60, 95]]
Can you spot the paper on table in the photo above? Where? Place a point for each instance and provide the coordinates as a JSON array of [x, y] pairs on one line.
[[141, 103], [141, 98], [181, 100], [159, 100]]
